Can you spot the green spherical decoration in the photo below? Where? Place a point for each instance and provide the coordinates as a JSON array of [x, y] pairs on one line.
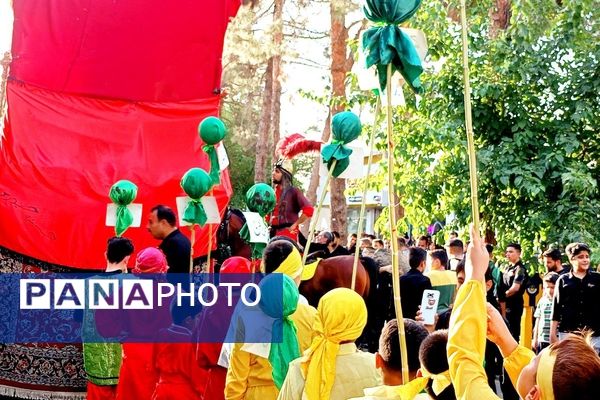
[[212, 130], [260, 198], [123, 192], [196, 183], [345, 126]]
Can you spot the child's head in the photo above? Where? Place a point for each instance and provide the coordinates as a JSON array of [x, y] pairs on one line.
[[579, 256], [388, 357], [184, 313], [568, 369], [549, 282], [434, 362]]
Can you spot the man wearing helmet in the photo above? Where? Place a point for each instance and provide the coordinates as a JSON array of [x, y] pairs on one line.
[[292, 208]]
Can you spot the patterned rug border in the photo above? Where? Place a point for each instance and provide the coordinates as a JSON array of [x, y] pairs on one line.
[[43, 265], [11, 392]]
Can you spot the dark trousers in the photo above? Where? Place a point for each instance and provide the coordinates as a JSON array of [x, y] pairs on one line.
[[513, 317]]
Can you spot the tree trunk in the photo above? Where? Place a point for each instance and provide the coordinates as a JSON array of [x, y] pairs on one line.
[[276, 87], [264, 127], [500, 17], [339, 64]]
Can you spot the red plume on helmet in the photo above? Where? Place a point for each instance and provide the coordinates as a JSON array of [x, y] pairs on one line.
[[294, 144]]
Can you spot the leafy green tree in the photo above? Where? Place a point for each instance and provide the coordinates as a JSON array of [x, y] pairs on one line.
[[536, 119]]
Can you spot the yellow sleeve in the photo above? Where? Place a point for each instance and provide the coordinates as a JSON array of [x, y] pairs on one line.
[[236, 383], [517, 360], [466, 343], [293, 385]]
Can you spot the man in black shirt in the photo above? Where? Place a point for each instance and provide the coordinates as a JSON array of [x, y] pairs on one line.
[[576, 296], [162, 224], [553, 262], [512, 288], [414, 283]]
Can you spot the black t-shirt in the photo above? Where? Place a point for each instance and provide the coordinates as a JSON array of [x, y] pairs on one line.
[[412, 286], [177, 249], [576, 301], [515, 273]]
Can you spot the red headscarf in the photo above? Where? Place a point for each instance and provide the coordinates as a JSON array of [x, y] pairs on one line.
[[235, 265], [151, 261]]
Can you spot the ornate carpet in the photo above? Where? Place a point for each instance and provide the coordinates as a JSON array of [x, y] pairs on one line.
[[38, 370]]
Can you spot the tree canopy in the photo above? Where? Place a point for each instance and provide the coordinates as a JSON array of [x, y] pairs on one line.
[[536, 119]]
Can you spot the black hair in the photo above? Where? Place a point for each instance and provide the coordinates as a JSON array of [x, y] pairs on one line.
[[328, 236], [118, 248], [456, 243], [389, 346], [551, 277], [287, 239], [426, 238], [574, 249], [515, 246], [166, 213], [354, 236], [336, 234], [416, 256], [180, 312], [275, 253], [554, 254], [489, 248], [460, 267], [378, 241], [440, 255], [432, 356]]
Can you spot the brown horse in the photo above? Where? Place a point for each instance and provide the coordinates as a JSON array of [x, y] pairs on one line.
[[229, 242], [335, 272], [331, 273]]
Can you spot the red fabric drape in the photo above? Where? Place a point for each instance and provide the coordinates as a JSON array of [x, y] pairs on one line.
[[144, 50], [101, 91], [62, 153]]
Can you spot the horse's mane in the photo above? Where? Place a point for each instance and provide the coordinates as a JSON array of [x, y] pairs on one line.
[[238, 213]]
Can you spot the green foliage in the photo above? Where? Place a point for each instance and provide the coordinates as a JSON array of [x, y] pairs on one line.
[[535, 117], [241, 170]]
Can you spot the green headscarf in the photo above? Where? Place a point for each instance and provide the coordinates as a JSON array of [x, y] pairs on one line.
[[279, 300]]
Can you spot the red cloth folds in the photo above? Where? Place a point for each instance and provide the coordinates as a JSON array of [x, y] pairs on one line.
[[142, 50], [61, 154], [97, 392]]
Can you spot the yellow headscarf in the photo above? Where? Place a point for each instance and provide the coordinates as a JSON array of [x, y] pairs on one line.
[[341, 316], [544, 373], [410, 390], [292, 265]]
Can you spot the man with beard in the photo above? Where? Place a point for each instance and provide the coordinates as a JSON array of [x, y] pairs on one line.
[[292, 208], [553, 262]]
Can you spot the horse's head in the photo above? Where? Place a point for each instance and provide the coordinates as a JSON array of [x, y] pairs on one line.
[[229, 242]]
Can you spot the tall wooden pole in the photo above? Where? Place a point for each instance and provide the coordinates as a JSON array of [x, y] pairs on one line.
[[469, 118], [315, 218], [363, 204], [393, 231]]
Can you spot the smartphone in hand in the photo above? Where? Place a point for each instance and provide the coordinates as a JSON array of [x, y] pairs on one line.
[[429, 305]]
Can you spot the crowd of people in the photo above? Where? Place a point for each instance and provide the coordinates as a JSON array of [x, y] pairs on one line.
[[473, 343], [497, 331]]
